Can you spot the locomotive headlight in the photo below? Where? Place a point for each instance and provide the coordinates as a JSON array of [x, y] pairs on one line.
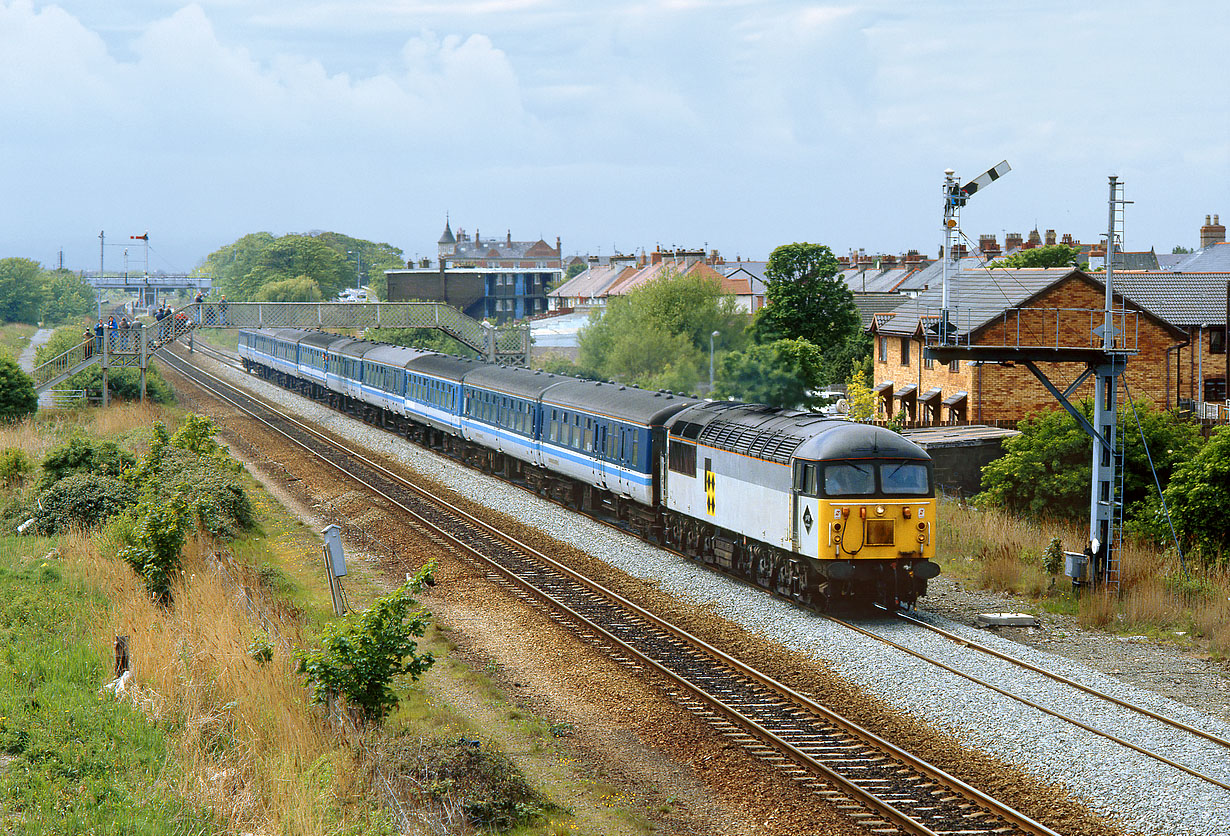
[[879, 510], [922, 538], [905, 512]]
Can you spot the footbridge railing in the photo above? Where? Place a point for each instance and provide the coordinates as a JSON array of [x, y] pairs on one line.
[[132, 347]]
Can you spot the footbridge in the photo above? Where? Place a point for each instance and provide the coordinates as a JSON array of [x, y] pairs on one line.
[[133, 347]]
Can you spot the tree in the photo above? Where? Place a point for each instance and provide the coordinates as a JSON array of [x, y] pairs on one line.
[[427, 339], [1044, 471], [860, 400], [1180, 250], [1055, 255], [298, 289], [1198, 496], [777, 374], [230, 264], [657, 336], [805, 298], [17, 397], [374, 259], [69, 297], [23, 290], [361, 653]]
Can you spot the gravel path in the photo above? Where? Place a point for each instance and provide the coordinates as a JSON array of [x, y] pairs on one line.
[[1140, 791]]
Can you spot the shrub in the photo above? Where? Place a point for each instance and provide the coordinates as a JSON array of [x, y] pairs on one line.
[[15, 465], [162, 528], [1199, 498], [83, 455], [362, 652], [17, 397], [86, 500]]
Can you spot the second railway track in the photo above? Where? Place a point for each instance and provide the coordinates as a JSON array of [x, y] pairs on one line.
[[882, 787]]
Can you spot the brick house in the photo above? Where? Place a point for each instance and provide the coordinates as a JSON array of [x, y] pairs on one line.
[[1041, 308], [1196, 302]]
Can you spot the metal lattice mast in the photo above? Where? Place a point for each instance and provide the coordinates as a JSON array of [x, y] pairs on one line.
[[1106, 489]]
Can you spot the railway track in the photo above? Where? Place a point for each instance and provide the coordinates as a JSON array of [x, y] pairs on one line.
[[885, 789]]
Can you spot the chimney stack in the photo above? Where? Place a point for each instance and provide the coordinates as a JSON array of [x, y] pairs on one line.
[[1212, 233], [1050, 237], [1012, 241]]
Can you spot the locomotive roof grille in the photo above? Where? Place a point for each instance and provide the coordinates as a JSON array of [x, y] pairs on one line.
[[770, 445]]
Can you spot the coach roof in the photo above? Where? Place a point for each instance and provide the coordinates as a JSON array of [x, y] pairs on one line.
[[512, 380], [625, 403]]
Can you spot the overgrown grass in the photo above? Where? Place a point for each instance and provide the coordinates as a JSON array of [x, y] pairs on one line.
[[14, 337], [71, 761], [997, 551]]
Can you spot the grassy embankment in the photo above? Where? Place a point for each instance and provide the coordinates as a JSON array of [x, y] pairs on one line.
[[14, 337], [207, 739], [996, 551]]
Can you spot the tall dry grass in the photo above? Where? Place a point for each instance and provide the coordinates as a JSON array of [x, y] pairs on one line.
[[250, 746], [1157, 596]]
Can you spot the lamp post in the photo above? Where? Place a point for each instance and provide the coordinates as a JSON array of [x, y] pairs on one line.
[[711, 336], [358, 254]]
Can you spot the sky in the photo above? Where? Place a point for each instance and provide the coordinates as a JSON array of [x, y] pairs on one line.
[[724, 124]]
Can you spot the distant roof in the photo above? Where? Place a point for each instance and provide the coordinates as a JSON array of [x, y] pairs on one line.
[[591, 283], [1179, 298], [1215, 258], [447, 237], [870, 304]]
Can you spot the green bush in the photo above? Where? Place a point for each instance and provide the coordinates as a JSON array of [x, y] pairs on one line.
[[1198, 495], [160, 533], [85, 500], [83, 455], [17, 397], [363, 652], [15, 465]]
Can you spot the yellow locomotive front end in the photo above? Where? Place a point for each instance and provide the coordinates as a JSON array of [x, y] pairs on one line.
[[870, 523]]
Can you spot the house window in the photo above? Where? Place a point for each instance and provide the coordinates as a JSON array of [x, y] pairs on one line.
[[1217, 340], [883, 349], [954, 366], [905, 351]]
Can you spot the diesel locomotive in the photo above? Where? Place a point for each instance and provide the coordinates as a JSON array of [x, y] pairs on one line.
[[822, 510]]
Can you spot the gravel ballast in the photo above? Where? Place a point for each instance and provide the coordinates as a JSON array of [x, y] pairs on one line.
[[1141, 792]]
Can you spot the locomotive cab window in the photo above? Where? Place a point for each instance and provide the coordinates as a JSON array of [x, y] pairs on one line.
[[905, 478], [805, 478], [849, 479]]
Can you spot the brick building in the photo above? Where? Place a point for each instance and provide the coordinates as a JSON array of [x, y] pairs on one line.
[[1041, 308]]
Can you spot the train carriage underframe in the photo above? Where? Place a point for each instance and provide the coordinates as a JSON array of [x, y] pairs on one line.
[[817, 584]]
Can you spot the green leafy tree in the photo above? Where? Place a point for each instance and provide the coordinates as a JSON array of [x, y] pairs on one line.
[[575, 269], [657, 336], [69, 297], [298, 289], [1054, 255], [362, 653], [804, 297], [841, 361], [1198, 496], [23, 290], [17, 397], [860, 400], [292, 256], [374, 258], [160, 534], [778, 374], [1044, 471], [428, 339], [1180, 250], [229, 265]]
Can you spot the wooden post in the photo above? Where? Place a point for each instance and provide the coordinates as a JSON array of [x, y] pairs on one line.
[[123, 659]]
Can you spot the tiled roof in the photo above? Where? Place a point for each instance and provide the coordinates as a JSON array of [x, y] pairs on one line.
[[591, 283], [976, 297], [871, 305], [1215, 258], [647, 274], [1179, 298]]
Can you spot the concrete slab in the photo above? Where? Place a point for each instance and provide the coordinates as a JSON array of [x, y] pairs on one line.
[[1006, 619]]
